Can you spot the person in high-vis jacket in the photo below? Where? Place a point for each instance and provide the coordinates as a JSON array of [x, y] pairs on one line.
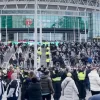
[[48, 61], [38, 60], [48, 48], [39, 53], [13, 88], [39, 48], [81, 84], [47, 53], [56, 80]]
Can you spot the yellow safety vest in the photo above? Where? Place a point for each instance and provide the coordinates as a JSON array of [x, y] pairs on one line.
[[39, 48], [56, 79], [47, 60], [48, 48], [81, 76], [47, 53], [39, 53]]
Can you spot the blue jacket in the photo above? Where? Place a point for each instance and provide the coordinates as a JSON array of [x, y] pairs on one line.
[[89, 60], [95, 97]]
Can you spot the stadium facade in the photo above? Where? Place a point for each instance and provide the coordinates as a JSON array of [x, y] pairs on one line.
[[71, 20]]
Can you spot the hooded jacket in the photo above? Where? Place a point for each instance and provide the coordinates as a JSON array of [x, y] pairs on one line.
[[34, 90], [94, 80], [69, 89], [46, 85]]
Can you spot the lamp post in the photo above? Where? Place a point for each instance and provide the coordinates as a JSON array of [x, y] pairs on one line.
[[54, 32], [0, 29], [40, 28], [85, 28], [79, 34], [74, 31], [6, 30], [35, 34]]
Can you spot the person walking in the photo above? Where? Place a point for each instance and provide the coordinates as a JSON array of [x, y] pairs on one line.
[[48, 61], [94, 81], [46, 85], [2, 86], [28, 63], [68, 88], [56, 80], [13, 88], [32, 62], [2, 58], [34, 89], [81, 84]]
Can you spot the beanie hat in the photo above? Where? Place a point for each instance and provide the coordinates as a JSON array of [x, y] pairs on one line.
[[69, 74]]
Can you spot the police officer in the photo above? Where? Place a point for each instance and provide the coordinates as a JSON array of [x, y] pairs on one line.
[[48, 61], [47, 53], [81, 84], [39, 53], [56, 80], [25, 84], [48, 48]]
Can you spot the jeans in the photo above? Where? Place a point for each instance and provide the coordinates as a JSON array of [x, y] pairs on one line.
[[12, 98], [0, 97], [46, 97]]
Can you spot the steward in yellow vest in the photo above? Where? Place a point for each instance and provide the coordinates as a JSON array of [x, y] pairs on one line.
[[47, 53], [56, 80], [48, 61], [81, 84], [39, 53], [81, 76], [48, 48], [39, 48], [38, 60]]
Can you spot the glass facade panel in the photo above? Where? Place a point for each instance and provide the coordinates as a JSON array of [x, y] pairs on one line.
[[96, 24], [47, 21]]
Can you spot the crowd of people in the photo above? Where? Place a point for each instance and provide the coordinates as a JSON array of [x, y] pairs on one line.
[[75, 72]]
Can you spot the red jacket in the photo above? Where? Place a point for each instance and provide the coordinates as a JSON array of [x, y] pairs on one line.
[[9, 74]]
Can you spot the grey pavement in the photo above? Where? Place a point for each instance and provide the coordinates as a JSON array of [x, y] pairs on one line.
[[43, 57], [87, 97], [7, 57]]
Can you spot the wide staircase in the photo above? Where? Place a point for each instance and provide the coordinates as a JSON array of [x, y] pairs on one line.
[[43, 57]]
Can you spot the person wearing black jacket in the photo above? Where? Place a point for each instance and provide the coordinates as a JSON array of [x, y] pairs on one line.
[[32, 62], [34, 90], [2, 58], [16, 54], [46, 85], [56, 80], [28, 63]]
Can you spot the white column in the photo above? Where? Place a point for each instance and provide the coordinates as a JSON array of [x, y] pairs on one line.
[[0, 27], [6, 30], [85, 28], [50, 36], [17, 36], [0, 35], [85, 31], [35, 34], [79, 32], [74, 32], [40, 28]]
